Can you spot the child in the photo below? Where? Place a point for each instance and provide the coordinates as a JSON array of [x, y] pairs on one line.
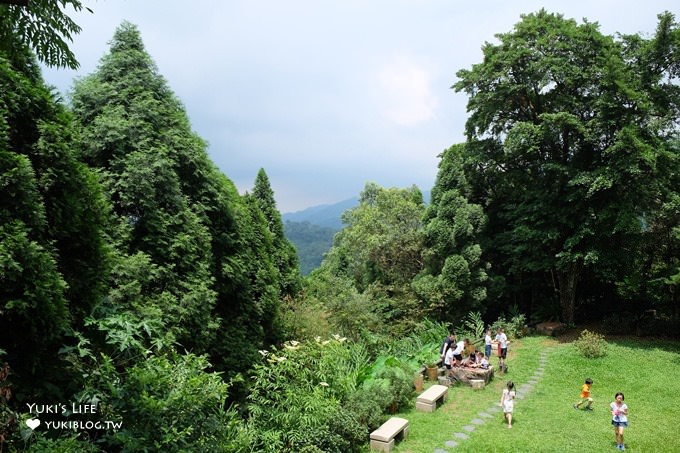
[[585, 396], [508, 402], [619, 418], [487, 343], [449, 360], [484, 363]]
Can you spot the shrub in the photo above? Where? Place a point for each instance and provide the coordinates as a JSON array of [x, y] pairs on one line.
[[515, 327], [174, 404], [591, 344], [298, 396]]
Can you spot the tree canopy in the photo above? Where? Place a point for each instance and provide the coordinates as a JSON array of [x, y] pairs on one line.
[[569, 135]]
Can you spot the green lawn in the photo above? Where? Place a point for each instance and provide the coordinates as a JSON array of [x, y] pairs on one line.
[[647, 371]]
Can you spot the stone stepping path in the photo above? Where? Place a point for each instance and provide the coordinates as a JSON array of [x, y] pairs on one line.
[[522, 392]]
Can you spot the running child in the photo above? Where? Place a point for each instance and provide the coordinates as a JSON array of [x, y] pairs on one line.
[[585, 396], [619, 418]]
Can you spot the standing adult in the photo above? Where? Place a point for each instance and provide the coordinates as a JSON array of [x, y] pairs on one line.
[[446, 344]]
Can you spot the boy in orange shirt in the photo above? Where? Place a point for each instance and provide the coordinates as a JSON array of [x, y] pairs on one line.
[[585, 396]]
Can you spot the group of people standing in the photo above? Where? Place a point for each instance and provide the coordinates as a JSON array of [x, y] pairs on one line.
[[453, 351]]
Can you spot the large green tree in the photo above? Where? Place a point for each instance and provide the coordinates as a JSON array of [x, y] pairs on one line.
[[172, 205], [54, 255], [569, 133], [454, 280], [379, 252], [285, 256]]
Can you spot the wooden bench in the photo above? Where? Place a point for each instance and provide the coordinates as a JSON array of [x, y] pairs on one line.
[[382, 439], [428, 400]]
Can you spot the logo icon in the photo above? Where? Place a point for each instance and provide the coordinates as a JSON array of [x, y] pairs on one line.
[[33, 423]]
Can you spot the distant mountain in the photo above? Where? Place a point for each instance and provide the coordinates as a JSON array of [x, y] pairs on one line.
[[311, 242], [311, 231], [326, 215]]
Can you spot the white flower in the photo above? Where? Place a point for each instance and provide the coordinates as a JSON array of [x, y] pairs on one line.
[[294, 343], [325, 342], [263, 352], [317, 338], [280, 359], [323, 384]]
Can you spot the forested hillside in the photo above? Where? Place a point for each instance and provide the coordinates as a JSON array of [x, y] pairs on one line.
[[311, 242], [146, 305]]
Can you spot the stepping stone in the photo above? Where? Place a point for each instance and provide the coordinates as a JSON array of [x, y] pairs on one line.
[[494, 409], [439, 450], [533, 382], [461, 436], [469, 428], [521, 396], [484, 414], [451, 443], [478, 421]]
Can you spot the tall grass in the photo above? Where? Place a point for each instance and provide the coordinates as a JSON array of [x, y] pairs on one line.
[[648, 372]]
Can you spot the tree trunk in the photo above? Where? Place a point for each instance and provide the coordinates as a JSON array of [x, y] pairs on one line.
[[567, 279]]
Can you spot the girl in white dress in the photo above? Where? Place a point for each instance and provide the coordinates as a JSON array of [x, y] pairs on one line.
[[508, 402]]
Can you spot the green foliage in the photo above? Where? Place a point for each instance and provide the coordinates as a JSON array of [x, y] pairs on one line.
[[39, 443], [591, 344], [514, 327], [473, 328], [349, 312], [311, 242], [300, 389], [44, 26], [454, 278], [173, 404], [568, 149], [284, 255]]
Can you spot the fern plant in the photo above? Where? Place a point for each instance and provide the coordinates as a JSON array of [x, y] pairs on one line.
[[473, 328]]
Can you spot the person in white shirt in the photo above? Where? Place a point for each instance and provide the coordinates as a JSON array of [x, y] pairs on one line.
[[487, 343], [619, 418], [502, 341], [458, 352], [449, 360]]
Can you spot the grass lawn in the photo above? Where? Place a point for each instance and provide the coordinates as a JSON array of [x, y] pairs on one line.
[[646, 371]]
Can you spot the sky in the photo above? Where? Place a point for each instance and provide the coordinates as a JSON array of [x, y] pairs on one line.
[[325, 95]]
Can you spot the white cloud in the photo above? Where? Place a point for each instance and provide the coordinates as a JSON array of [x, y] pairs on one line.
[[405, 92]]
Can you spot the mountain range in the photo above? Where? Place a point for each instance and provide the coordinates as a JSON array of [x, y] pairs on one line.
[[325, 215]]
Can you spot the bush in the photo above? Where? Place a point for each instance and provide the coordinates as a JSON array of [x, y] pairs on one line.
[[298, 395], [591, 344], [514, 328], [174, 404]]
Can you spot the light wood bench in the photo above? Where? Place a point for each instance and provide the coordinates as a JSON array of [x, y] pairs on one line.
[[428, 400], [382, 439]]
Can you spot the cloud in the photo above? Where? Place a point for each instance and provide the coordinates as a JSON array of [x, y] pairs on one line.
[[405, 92], [324, 95]]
